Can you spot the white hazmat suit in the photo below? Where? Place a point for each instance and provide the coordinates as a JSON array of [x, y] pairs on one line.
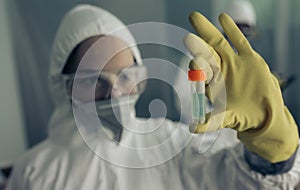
[[168, 157]]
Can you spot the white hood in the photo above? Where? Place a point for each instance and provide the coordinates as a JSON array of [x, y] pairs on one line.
[[80, 23], [242, 11]]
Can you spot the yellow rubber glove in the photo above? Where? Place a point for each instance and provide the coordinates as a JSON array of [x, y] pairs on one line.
[[244, 92]]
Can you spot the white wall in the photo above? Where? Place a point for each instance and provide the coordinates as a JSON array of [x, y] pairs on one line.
[[12, 138]]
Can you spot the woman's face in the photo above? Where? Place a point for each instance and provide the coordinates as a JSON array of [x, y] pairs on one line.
[[104, 60]]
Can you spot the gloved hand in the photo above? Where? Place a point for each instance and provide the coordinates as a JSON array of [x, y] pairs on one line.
[[243, 85]]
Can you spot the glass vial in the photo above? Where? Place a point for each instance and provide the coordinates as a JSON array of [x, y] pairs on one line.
[[197, 80]]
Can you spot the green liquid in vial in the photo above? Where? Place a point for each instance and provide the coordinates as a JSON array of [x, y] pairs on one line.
[[198, 108]]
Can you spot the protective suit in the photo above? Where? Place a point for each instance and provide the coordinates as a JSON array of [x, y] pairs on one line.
[[168, 156]]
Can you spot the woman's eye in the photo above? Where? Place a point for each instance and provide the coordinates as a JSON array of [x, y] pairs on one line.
[[124, 77]]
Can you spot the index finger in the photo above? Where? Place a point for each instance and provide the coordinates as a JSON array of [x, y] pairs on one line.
[[210, 33]]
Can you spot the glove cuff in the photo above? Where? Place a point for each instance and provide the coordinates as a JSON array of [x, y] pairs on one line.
[[263, 166]]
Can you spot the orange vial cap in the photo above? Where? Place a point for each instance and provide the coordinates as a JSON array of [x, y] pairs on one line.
[[197, 75]]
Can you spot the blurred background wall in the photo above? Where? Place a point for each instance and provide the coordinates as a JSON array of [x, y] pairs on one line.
[[12, 122], [28, 29]]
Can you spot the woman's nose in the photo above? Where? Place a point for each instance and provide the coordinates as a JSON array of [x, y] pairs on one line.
[[115, 92]]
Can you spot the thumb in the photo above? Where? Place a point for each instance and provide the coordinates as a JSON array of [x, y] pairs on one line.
[[199, 63]]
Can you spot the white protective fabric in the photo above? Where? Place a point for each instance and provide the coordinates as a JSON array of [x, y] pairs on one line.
[[242, 11], [69, 160]]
